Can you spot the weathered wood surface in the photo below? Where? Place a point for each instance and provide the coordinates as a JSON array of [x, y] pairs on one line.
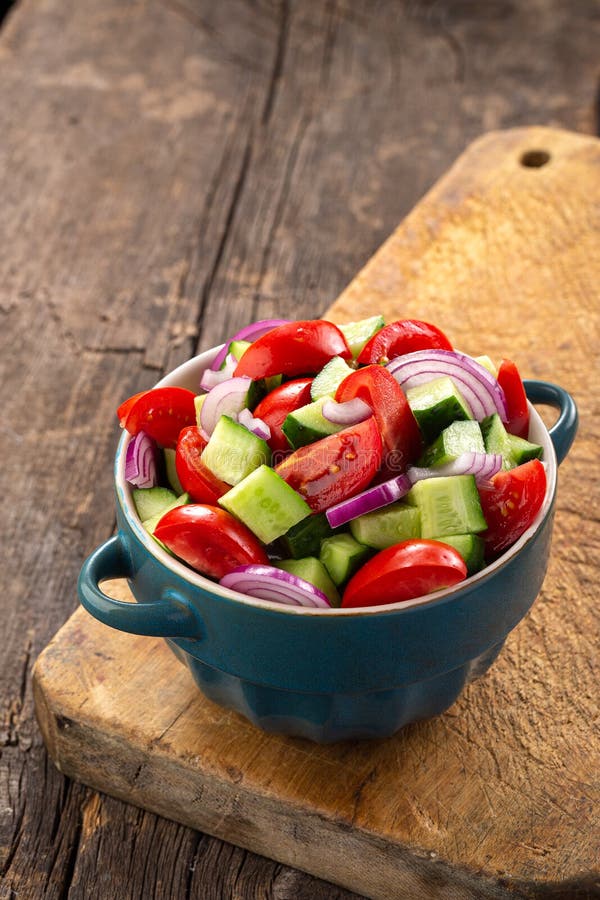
[[500, 792], [167, 172]]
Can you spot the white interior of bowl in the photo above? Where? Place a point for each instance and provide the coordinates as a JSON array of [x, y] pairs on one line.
[[188, 376]]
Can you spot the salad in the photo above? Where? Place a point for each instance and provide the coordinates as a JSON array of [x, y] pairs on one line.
[[325, 466]]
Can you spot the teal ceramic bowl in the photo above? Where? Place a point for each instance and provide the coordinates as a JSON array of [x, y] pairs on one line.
[[326, 675]]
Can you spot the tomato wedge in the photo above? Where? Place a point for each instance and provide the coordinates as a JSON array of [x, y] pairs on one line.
[[335, 467], [161, 413], [125, 407], [404, 336], [510, 504], [209, 539], [297, 348], [405, 571], [274, 408], [510, 381], [195, 477], [397, 425]]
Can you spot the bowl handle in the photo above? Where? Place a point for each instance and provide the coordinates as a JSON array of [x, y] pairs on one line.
[[170, 616], [564, 429]]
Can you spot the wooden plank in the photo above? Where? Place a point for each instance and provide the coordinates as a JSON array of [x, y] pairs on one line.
[[501, 791], [168, 170]]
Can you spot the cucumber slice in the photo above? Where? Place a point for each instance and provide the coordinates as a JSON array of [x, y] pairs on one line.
[[260, 388], [233, 452], [448, 505], [304, 539], [460, 437], [313, 571], [471, 548], [329, 378], [308, 424], [385, 527], [171, 470], [342, 556], [152, 501], [266, 504], [436, 404], [514, 450], [198, 401], [487, 363], [358, 333], [151, 522], [237, 349]]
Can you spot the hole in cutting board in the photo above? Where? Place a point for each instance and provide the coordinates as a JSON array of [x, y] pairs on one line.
[[535, 159]]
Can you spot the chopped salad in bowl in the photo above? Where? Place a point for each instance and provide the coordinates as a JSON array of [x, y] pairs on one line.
[[326, 466]]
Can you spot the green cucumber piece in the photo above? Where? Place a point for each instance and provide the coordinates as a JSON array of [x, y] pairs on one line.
[[151, 522], [326, 383], [461, 437], [342, 556], [471, 548], [198, 402], [388, 526], [487, 363], [233, 452], [448, 505], [514, 450], [358, 333], [171, 469], [237, 349], [260, 388], [265, 503], [436, 404], [308, 424], [312, 570], [304, 539], [151, 501]]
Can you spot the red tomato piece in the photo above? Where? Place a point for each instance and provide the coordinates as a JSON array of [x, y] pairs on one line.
[[209, 539], [195, 477], [398, 427], [125, 407], [161, 413], [335, 467], [511, 503], [398, 338], [510, 381], [297, 348], [273, 409], [406, 570]]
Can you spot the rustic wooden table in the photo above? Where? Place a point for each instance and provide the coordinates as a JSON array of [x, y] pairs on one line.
[[169, 171]]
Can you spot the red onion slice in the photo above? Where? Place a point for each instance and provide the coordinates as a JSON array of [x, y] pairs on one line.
[[248, 333], [141, 461], [351, 412], [256, 426], [226, 399], [270, 583], [211, 379], [478, 386], [482, 465], [369, 500]]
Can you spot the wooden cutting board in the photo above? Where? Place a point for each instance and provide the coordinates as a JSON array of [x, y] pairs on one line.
[[499, 795]]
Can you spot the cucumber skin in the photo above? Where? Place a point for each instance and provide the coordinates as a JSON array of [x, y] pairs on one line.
[[436, 405], [307, 425], [342, 555], [312, 570], [470, 546], [304, 539]]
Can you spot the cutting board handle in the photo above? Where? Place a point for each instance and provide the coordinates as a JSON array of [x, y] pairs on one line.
[[564, 429], [169, 616]]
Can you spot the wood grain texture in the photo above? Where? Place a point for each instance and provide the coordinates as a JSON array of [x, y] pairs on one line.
[[169, 170], [500, 791]]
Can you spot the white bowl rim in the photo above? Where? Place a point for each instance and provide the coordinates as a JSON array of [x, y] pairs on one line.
[[188, 375]]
